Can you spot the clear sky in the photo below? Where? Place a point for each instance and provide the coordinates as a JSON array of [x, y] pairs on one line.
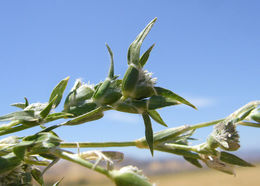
[[206, 51]]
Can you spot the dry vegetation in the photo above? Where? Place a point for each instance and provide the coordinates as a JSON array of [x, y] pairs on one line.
[[245, 177]]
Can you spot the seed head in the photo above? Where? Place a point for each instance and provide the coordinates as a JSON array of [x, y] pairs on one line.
[[226, 135]]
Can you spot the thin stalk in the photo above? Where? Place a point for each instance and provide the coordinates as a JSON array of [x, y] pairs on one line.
[[181, 147], [126, 143], [205, 124], [80, 161], [250, 124], [97, 144]]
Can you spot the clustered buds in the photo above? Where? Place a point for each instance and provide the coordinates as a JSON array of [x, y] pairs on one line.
[[225, 136], [138, 83]]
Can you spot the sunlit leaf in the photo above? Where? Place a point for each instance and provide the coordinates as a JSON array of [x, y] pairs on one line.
[[171, 95], [233, 159], [148, 131], [58, 115], [156, 117], [58, 91], [37, 175], [26, 115], [134, 49], [48, 108], [145, 56], [193, 161], [89, 116]]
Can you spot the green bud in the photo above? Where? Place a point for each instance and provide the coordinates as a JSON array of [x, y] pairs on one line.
[[108, 92], [102, 89], [78, 95], [129, 176], [129, 81], [78, 110], [111, 96], [138, 83]]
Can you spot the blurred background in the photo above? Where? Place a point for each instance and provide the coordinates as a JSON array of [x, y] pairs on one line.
[[206, 51]]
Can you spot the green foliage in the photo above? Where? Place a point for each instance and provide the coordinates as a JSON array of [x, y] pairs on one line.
[[135, 93]]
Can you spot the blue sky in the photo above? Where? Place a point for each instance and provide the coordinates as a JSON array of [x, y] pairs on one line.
[[206, 51]]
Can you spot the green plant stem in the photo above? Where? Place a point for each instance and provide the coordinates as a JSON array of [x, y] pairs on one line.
[[243, 110], [126, 143], [97, 144], [181, 147], [205, 124], [76, 159], [250, 124]]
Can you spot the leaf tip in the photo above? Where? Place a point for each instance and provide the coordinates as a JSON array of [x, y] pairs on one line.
[[67, 78]]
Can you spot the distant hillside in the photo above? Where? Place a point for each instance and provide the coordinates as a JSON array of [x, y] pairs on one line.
[[73, 173]]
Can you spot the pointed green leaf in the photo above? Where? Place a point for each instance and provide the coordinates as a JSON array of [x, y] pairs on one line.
[[102, 89], [58, 91], [232, 159], [26, 115], [145, 56], [193, 161], [89, 116], [26, 102], [156, 102], [148, 131], [156, 117], [170, 95], [111, 69], [37, 175], [19, 105], [45, 112], [170, 134], [134, 49], [55, 160], [58, 115], [245, 114]]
